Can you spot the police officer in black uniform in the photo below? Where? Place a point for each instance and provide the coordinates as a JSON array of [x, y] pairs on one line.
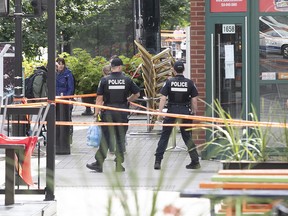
[[114, 90], [182, 99]]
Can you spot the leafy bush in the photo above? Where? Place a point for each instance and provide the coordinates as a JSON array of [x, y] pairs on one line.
[[88, 70]]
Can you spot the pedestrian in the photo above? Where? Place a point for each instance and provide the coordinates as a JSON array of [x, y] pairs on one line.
[[106, 70], [64, 79], [64, 87], [182, 99], [126, 143], [115, 90]]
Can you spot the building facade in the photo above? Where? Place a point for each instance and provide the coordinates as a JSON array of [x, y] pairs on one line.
[[239, 56]]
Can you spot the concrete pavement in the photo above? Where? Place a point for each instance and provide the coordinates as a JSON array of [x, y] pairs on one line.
[[80, 191]]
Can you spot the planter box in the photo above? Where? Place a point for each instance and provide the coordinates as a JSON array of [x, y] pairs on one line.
[[254, 165]]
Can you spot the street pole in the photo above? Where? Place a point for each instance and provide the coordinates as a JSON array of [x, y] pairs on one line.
[[51, 117], [18, 129], [18, 92]]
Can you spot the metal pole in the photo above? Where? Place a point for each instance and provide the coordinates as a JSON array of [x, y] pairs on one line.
[[18, 129], [51, 117], [18, 93]]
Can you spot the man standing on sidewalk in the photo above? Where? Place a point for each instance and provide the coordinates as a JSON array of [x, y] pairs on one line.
[[114, 90], [182, 99]]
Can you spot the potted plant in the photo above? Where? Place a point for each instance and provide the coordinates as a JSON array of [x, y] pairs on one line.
[[241, 146]]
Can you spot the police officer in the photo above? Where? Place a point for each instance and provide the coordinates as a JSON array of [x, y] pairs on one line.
[[114, 90], [182, 99]]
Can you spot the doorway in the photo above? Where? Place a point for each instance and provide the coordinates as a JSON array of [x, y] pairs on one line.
[[228, 66]]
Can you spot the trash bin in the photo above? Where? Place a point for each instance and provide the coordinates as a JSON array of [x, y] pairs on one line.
[[63, 132]]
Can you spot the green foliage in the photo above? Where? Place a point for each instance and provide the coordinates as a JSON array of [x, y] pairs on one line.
[[174, 13], [261, 137], [30, 65], [130, 68], [108, 32], [102, 27], [233, 142], [86, 70], [71, 16], [285, 134]]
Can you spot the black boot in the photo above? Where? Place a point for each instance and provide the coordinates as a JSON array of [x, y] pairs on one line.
[[157, 165], [95, 166], [193, 165]]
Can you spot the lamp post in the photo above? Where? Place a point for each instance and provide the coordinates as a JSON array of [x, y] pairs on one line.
[[51, 117], [18, 93], [18, 129]]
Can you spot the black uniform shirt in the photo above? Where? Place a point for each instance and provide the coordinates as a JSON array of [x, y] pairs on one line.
[[116, 88], [179, 90]]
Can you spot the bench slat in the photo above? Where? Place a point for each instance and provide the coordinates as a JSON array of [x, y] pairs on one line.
[[254, 172], [12, 146], [245, 178], [209, 193], [244, 185]]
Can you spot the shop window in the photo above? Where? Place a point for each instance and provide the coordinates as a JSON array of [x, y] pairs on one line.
[[273, 67], [273, 47]]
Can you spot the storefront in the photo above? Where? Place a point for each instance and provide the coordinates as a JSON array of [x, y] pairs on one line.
[[246, 56]]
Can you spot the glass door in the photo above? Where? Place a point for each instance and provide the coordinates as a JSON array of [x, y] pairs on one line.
[[228, 66]]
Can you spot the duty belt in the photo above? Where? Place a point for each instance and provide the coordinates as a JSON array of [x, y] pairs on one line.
[[118, 105], [178, 105]]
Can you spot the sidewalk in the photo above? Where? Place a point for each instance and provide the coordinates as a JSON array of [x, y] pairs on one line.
[[80, 191]]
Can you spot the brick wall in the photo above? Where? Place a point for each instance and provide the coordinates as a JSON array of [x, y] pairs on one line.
[[197, 57]]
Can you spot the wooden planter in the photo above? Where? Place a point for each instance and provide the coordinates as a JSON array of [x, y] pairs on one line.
[[254, 165]]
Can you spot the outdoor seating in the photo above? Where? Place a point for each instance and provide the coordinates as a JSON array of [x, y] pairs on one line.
[[156, 69], [242, 192], [24, 147]]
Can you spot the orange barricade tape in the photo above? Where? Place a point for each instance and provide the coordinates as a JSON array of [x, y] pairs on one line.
[[204, 122], [214, 120], [62, 97]]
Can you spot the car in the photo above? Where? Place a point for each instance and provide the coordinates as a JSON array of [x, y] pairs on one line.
[[274, 42], [273, 38]]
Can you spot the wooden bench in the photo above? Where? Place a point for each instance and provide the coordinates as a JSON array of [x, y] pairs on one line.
[[10, 162], [240, 189]]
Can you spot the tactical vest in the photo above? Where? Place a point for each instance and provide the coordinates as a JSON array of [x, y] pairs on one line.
[[179, 91], [116, 90]]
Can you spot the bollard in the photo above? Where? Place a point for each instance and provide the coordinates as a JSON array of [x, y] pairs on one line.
[[62, 132]]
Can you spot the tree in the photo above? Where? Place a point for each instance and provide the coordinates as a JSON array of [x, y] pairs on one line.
[[109, 32], [89, 24], [71, 16], [174, 13]]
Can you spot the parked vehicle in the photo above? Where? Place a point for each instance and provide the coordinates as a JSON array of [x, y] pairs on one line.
[[273, 38]]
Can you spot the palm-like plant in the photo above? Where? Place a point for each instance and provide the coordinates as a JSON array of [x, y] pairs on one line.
[[237, 142]]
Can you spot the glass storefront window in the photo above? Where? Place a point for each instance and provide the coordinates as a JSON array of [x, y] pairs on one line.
[[273, 102], [273, 47], [273, 73], [273, 108], [273, 65]]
